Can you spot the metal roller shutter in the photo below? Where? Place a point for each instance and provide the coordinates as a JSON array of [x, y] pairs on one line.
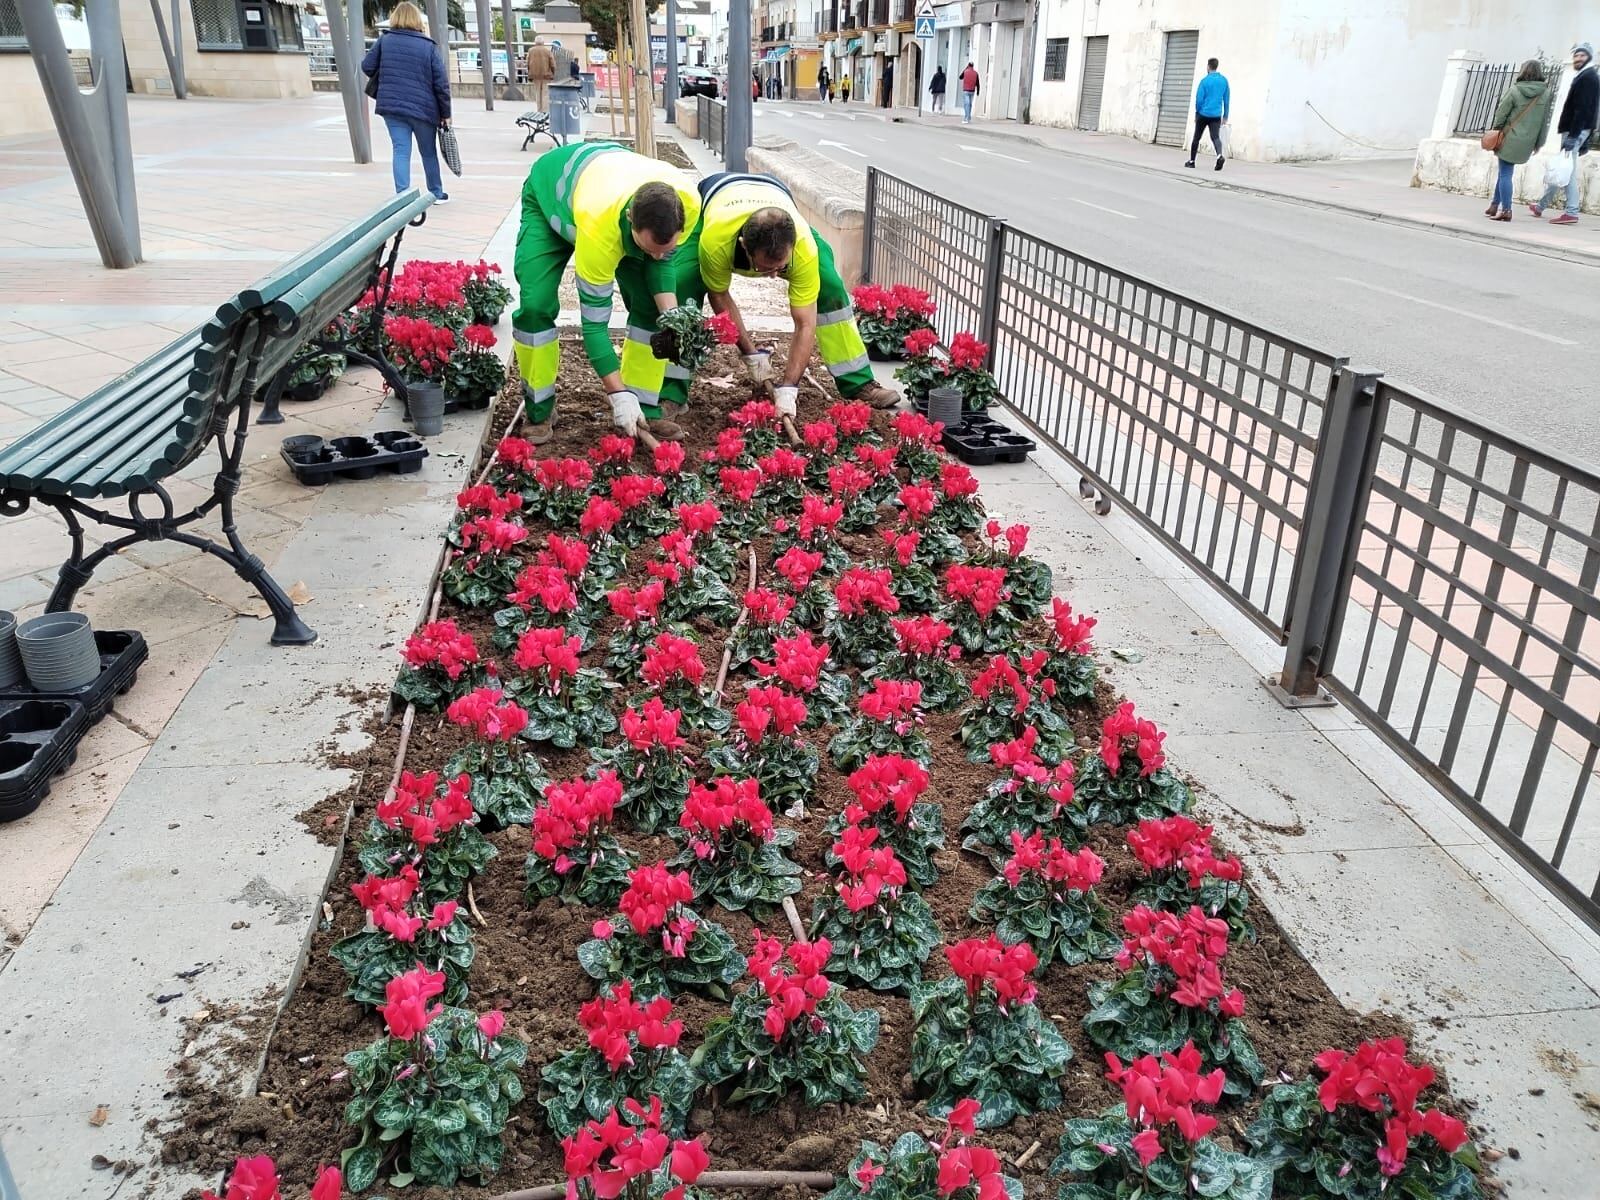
[[1177, 86], [1094, 82]]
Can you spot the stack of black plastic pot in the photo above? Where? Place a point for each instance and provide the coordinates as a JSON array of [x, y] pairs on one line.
[[975, 438], [57, 678]]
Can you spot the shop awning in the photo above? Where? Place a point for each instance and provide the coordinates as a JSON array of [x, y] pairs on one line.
[[855, 44]]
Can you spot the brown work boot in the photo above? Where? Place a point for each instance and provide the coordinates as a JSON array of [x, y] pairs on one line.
[[665, 430], [878, 396], [540, 432]]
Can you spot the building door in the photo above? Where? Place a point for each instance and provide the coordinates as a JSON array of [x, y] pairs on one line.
[[1094, 82], [1177, 86], [1007, 37]]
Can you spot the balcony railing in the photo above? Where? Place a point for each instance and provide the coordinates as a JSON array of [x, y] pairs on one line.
[[880, 13], [904, 11], [830, 21]]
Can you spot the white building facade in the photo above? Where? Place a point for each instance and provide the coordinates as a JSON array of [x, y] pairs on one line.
[[1310, 79]]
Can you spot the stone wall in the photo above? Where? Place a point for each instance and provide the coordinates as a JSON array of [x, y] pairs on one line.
[[832, 198], [24, 109], [234, 74], [1458, 164]]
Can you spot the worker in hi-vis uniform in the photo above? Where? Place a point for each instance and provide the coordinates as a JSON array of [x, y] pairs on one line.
[[620, 215], [749, 225]]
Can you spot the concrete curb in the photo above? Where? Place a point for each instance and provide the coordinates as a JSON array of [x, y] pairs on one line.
[[1586, 255]]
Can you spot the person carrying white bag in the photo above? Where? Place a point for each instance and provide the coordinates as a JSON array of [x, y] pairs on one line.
[[1576, 125]]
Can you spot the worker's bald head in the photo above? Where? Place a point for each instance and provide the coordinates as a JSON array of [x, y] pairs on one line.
[[768, 239], [656, 216]]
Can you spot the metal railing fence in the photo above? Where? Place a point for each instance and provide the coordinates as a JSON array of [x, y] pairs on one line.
[[1205, 424], [1470, 633], [1486, 83], [713, 115], [1435, 574]]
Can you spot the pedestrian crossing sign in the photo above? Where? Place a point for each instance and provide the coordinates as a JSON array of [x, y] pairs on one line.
[[925, 27]]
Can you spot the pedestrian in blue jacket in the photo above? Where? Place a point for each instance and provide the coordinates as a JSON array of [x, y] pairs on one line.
[[413, 94], [1210, 111]]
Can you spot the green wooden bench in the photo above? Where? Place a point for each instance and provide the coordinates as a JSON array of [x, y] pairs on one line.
[[120, 443]]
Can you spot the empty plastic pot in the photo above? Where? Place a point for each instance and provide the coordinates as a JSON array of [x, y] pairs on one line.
[[427, 407], [58, 651], [10, 660], [944, 405]]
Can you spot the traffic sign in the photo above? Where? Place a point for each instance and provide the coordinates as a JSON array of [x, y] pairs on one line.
[[925, 26], [924, 8]]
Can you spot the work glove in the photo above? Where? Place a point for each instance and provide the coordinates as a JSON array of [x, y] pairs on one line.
[[626, 414], [787, 399], [759, 366]]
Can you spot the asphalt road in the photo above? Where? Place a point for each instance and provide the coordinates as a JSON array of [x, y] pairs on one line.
[[1507, 335]]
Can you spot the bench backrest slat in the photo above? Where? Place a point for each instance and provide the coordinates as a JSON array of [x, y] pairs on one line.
[[266, 291], [154, 418], [54, 446], [370, 243]]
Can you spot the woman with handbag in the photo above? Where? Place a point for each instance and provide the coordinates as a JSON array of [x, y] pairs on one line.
[[406, 76], [1516, 131]]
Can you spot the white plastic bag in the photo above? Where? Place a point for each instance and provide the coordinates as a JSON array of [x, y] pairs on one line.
[[1558, 171]]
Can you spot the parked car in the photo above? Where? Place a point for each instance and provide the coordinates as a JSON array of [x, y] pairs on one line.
[[467, 66], [698, 81]]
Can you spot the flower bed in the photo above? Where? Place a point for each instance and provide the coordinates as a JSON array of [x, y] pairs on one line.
[[843, 770]]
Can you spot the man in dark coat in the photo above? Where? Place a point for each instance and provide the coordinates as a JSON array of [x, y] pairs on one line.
[[1579, 117]]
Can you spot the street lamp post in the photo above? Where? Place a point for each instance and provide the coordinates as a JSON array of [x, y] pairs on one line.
[[669, 98], [736, 136]]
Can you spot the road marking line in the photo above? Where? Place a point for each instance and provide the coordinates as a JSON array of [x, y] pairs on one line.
[[1460, 312], [841, 146], [995, 153], [1115, 212], [956, 163]]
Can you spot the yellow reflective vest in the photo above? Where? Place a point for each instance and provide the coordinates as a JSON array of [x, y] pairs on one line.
[[728, 207]]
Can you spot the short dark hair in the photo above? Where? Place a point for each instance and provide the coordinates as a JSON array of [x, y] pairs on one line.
[[657, 209], [1211, 64], [769, 234]]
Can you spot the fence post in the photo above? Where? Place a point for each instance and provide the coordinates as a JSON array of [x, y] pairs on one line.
[[1451, 89], [869, 225], [1347, 451], [989, 310]]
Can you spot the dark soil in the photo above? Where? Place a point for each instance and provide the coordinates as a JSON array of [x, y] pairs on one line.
[[526, 963]]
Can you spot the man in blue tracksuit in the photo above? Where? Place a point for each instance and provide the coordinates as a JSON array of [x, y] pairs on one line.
[[1210, 111]]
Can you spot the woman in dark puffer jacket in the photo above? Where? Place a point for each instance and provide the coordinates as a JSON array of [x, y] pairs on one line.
[[413, 94]]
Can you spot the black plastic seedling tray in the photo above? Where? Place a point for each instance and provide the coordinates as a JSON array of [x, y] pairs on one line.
[[38, 740], [316, 460], [980, 441], [122, 652]]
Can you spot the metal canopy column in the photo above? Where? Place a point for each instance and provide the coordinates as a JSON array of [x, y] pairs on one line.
[[486, 55], [513, 52], [347, 55], [93, 125], [172, 48]]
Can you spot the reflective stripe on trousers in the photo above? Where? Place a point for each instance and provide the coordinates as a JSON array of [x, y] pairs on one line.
[[642, 372], [538, 363]]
